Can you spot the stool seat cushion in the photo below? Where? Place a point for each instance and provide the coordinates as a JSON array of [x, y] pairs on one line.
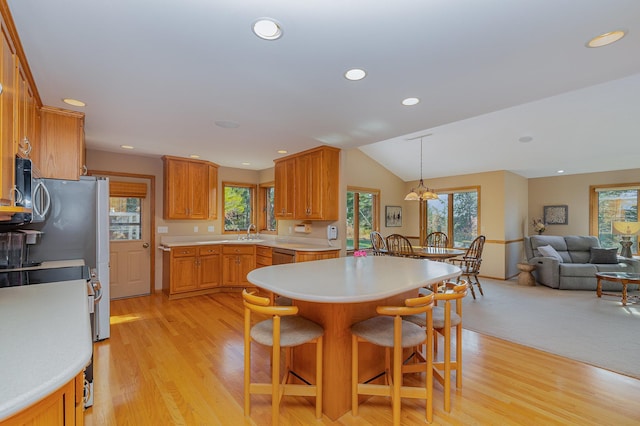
[[294, 330], [438, 318], [379, 330]]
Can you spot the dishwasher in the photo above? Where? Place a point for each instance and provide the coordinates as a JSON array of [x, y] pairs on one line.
[[280, 256]]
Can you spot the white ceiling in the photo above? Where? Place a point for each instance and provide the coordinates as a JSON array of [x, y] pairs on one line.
[[158, 74]]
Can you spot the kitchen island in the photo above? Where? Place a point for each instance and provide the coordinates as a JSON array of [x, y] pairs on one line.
[[46, 344], [336, 293]]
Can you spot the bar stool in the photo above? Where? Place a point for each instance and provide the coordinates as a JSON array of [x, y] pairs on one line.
[[390, 331], [443, 320], [285, 329]]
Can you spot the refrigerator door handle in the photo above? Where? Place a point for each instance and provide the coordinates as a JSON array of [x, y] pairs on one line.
[[97, 287]]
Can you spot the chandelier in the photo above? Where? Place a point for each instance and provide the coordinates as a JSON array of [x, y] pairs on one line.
[[421, 192]]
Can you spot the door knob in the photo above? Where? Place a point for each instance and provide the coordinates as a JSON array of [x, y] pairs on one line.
[[145, 245]]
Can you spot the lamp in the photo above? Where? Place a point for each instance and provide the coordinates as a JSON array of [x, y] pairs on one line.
[[626, 230], [421, 192]]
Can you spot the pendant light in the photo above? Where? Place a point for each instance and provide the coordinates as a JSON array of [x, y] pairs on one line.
[[421, 192]]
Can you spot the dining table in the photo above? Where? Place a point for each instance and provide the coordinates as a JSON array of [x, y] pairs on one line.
[[437, 253], [337, 293]]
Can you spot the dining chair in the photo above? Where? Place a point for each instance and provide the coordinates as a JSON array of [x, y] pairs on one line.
[[436, 239], [389, 330], [285, 329], [445, 318], [399, 245], [470, 264], [378, 244]]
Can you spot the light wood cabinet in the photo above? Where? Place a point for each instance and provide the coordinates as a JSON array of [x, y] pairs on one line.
[[190, 189], [284, 188], [307, 256], [7, 119], [263, 256], [237, 261], [26, 138], [312, 185], [191, 269], [61, 148], [64, 407]]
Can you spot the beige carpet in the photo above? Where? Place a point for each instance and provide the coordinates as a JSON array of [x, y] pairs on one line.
[[570, 323]]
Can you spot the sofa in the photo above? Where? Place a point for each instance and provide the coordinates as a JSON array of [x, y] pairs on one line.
[[571, 262]]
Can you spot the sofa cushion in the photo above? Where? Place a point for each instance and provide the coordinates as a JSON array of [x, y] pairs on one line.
[[603, 255], [555, 241], [578, 270], [579, 247], [549, 251]]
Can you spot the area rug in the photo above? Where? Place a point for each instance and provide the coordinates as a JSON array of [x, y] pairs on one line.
[[570, 323]]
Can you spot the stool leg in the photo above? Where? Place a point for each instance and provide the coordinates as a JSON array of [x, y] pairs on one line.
[[275, 374], [397, 368], [319, 370], [247, 366], [447, 369], [354, 375], [459, 356]]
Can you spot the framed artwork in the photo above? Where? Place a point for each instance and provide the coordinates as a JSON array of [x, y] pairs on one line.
[[556, 215], [392, 216]]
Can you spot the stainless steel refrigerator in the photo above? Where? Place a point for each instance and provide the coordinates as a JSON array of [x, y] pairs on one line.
[[77, 227]]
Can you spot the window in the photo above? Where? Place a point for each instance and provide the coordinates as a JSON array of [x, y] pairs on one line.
[[238, 206], [455, 213], [266, 218], [124, 218], [613, 203], [362, 217]]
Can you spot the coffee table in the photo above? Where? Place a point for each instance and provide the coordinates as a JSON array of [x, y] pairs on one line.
[[623, 278]]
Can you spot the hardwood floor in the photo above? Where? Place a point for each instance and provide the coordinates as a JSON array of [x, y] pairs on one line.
[[180, 362]]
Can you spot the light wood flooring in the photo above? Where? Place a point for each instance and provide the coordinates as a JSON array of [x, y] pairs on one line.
[[180, 362]]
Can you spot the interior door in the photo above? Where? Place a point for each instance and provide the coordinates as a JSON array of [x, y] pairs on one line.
[[130, 236]]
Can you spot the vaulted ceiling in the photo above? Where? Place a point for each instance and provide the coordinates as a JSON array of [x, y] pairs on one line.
[[159, 75]]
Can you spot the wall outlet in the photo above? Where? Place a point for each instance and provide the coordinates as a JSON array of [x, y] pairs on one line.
[[163, 229], [211, 228], [195, 229]]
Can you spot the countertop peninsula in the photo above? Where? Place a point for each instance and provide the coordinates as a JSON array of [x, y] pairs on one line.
[[298, 244], [46, 341]]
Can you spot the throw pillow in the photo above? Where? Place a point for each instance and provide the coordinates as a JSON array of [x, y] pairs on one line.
[[604, 255], [548, 251]]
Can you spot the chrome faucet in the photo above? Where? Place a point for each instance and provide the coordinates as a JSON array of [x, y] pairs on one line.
[[249, 230]]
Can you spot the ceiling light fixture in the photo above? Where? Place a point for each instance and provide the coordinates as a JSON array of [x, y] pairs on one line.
[[245, 163], [560, 171], [606, 38], [525, 139], [410, 101], [355, 74], [282, 151], [74, 102], [227, 124], [126, 147], [267, 29], [421, 192], [194, 156]]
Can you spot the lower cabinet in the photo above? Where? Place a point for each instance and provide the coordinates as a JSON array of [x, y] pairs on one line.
[[263, 256], [307, 256], [237, 262], [190, 269], [64, 407]]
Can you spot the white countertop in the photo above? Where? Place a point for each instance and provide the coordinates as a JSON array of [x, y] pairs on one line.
[[351, 279], [45, 341], [297, 245]]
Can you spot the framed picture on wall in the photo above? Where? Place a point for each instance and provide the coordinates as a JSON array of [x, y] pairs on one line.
[[392, 216], [556, 215]]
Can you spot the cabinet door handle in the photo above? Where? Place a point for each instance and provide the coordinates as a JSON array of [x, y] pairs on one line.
[[84, 170]]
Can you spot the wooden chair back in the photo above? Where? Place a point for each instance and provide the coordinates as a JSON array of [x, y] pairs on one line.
[[399, 245], [378, 244], [436, 239], [473, 257]]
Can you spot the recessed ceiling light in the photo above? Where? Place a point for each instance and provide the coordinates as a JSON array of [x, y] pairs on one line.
[[606, 38], [227, 124], [525, 139], [267, 29], [194, 156], [282, 151], [126, 147], [560, 171], [246, 163], [410, 101], [74, 102], [355, 74]]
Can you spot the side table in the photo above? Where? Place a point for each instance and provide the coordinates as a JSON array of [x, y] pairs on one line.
[[526, 278]]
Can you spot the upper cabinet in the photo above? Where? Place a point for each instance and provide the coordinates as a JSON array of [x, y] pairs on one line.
[[7, 98], [307, 184], [27, 123], [60, 152], [190, 189], [283, 190]]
